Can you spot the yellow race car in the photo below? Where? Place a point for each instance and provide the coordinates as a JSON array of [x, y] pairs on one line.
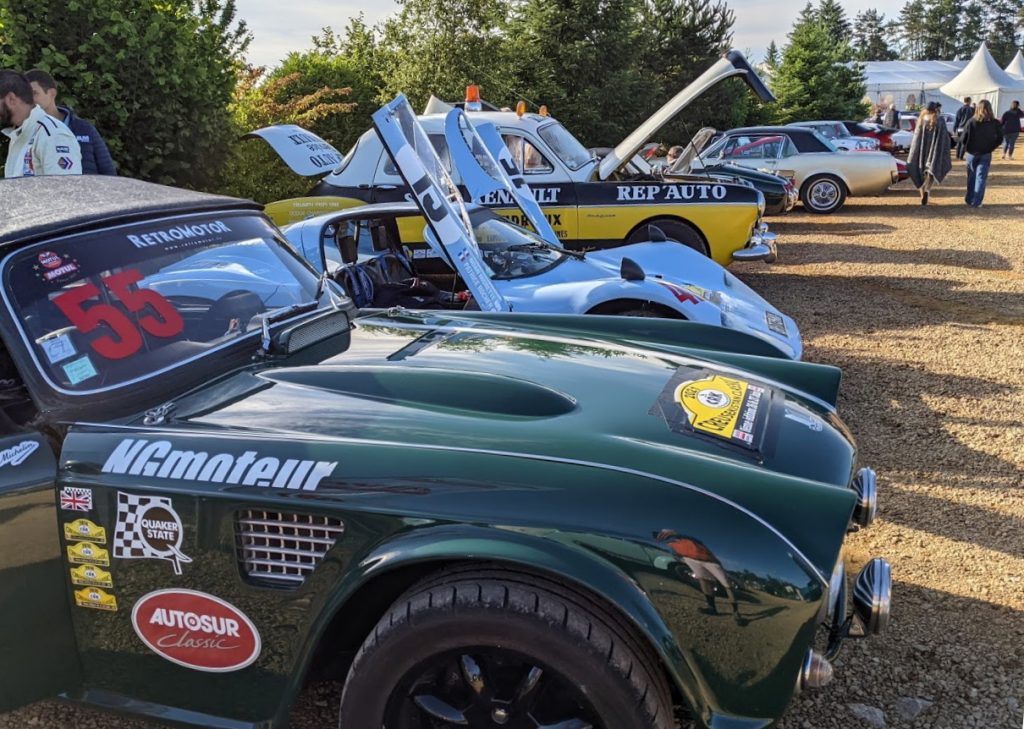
[[590, 203]]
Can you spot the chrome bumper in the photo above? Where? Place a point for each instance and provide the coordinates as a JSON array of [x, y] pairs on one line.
[[760, 247]]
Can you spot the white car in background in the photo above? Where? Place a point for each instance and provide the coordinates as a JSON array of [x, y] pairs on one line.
[[841, 138]]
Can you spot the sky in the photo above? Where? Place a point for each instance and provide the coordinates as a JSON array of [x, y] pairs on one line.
[[282, 27]]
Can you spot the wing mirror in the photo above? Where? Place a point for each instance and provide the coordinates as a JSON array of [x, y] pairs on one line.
[[630, 270]]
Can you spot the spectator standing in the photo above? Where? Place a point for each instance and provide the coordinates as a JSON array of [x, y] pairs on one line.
[[983, 133], [891, 119], [40, 145], [964, 113], [1011, 128], [928, 160], [96, 159]]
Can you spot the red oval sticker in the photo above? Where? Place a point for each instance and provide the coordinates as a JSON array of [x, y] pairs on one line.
[[196, 630]]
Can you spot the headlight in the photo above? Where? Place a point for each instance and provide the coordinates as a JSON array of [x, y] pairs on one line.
[[865, 484], [872, 598]]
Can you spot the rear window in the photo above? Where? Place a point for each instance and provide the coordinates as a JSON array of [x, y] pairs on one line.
[[107, 308]]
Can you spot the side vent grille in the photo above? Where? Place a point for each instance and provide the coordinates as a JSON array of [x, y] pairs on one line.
[[282, 549]]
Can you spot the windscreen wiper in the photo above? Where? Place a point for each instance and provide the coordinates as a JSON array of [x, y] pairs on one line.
[[546, 247]]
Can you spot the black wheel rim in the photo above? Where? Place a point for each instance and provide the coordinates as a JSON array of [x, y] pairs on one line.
[[487, 688]]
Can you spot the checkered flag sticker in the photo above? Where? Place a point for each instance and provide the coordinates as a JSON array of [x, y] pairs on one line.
[[148, 527]]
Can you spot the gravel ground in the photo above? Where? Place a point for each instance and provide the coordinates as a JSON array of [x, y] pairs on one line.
[[923, 309]]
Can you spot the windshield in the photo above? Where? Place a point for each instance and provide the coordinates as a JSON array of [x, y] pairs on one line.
[[103, 309], [510, 251], [568, 149], [827, 142]]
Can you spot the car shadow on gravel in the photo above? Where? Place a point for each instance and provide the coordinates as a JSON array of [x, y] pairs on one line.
[[784, 228], [868, 304], [969, 678], [811, 253]]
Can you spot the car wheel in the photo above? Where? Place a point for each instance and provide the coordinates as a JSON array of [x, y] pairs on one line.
[[823, 194], [674, 231], [489, 648]]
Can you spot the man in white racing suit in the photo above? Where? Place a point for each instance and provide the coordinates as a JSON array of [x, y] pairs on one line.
[[39, 144]]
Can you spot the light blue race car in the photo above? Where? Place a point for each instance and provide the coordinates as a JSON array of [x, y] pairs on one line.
[[476, 259]]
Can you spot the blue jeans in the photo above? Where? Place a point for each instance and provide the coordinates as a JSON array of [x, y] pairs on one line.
[[1009, 141], [977, 176]]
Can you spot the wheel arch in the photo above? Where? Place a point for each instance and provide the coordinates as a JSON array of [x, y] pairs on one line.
[[394, 567], [827, 173], [674, 219], [617, 306]]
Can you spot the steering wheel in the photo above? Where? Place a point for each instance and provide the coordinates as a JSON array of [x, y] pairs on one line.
[[237, 305]]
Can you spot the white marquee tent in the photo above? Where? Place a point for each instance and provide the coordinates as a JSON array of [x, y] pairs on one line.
[[983, 79], [909, 83], [1016, 67]]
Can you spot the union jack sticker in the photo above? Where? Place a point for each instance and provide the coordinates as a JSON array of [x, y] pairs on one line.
[[75, 499]]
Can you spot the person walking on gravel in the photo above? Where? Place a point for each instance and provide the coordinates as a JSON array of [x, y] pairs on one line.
[[983, 134], [928, 160], [1011, 128], [964, 113]]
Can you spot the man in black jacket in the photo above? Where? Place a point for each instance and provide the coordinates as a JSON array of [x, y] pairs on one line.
[[96, 159], [964, 113]]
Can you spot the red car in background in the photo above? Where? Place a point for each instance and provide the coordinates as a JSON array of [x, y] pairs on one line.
[[875, 131]]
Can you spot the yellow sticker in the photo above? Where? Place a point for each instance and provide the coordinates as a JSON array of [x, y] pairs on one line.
[[88, 553], [90, 574], [722, 406], [83, 529], [95, 598]]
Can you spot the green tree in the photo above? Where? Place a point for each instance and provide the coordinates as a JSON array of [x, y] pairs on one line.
[[871, 37], [440, 46], [814, 81], [830, 13], [913, 29], [973, 26], [771, 56], [1002, 30], [943, 21], [329, 65], [681, 39], [579, 57], [252, 169], [156, 77]]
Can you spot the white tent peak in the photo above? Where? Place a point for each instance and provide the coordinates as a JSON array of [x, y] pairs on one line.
[[1016, 67], [982, 78]]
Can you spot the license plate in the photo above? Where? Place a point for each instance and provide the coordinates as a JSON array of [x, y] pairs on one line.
[[776, 323]]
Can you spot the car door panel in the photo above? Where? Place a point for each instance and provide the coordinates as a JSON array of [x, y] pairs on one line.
[[38, 653]]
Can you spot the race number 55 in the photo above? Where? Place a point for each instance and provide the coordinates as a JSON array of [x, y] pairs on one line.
[[126, 339]]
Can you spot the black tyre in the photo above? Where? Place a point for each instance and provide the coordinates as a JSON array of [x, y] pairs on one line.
[[483, 648], [823, 194], [673, 230]]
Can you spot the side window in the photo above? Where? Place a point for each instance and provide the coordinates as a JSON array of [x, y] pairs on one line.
[[527, 157], [745, 148], [440, 146], [788, 148]]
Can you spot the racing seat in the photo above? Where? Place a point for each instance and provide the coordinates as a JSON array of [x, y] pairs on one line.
[[351, 275]]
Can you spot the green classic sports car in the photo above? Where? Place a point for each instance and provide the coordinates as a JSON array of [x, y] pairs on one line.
[[218, 478]]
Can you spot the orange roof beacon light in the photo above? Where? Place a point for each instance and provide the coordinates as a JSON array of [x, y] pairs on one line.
[[473, 98], [520, 108], [543, 110]]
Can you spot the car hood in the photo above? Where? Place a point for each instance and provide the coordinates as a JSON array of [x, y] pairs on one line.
[[439, 381], [732, 64], [696, 146]]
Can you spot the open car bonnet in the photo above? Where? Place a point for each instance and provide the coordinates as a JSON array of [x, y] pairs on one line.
[[695, 147], [305, 153], [732, 64]]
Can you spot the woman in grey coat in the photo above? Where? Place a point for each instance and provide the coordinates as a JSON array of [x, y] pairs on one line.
[[928, 161]]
